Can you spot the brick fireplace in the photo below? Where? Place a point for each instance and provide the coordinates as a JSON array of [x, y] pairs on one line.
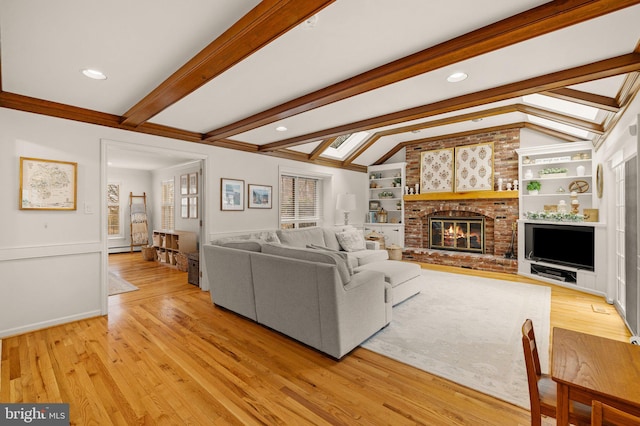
[[498, 213]]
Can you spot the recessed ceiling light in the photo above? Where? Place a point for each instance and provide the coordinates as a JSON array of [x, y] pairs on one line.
[[415, 131], [475, 120], [281, 129], [456, 77], [94, 74]]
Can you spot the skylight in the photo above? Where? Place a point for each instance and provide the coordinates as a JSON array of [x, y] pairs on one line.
[[565, 107], [345, 146], [559, 126]]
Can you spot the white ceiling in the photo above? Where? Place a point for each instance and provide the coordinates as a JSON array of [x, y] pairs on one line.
[[140, 44]]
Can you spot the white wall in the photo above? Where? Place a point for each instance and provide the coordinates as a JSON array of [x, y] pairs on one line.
[[53, 263], [137, 182]]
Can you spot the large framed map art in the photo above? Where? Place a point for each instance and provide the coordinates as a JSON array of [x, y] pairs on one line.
[[436, 171], [47, 184]]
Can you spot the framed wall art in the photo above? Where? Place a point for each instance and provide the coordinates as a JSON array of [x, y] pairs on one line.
[[436, 170], [47, 184], [231, 194], [184, 184], [260, 196], [474, 167], [193, 183], [193, 207]]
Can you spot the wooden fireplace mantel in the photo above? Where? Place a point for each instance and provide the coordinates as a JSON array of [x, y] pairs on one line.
[[473, 195]]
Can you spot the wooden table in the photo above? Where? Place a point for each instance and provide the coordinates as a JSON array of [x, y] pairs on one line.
[[588, 368]]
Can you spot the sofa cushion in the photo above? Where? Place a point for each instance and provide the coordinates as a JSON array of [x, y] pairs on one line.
[[330, 239], [311, 255], [262, 236], [301, 237], [350, 261], [395, 271], [249, 245], [363, 257], [351, 240]]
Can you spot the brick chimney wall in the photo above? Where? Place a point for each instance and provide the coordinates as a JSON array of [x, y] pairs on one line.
[[503, 213]]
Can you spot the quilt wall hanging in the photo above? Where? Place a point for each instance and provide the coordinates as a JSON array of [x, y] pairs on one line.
[[474, 167], [436, 170]]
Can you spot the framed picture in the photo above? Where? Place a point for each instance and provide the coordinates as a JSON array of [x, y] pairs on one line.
[[474, 167], [259, 196], [47, 184], [193, 183], [184, 207], [436, 171], [374, 205], [193, 207], [231, 194], [184, 184]]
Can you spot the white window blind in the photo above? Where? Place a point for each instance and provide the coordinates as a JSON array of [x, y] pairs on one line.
[[299, 201], [167, 205]]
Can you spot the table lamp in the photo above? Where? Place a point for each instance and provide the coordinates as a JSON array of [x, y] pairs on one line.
[[346, 203]]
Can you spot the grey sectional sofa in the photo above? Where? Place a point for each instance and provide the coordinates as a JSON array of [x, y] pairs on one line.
[[304, 285]]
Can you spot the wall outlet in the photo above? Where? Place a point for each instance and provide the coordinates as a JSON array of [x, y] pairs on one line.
[[88, 208]]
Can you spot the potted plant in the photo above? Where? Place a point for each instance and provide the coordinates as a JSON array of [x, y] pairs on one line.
[[533, 187], [397, 182]]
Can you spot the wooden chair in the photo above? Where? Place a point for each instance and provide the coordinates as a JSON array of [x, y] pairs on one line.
[[542, 389], [603, 414]]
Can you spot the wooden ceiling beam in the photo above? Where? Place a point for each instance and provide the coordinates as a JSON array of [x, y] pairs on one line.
[[602, 69], [264, 23], [321, 148], [584, 98], [549, 17]]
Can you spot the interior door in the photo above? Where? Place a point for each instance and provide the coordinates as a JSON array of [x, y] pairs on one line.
[[631, 243]]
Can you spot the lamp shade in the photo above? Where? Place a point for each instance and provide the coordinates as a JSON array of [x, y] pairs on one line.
[[346, 202]]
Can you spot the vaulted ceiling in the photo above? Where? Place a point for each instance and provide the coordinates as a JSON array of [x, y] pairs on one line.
[[235, 73]]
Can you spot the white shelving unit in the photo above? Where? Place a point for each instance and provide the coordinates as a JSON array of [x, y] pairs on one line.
[[386, 178], [555, 187], [567, 156]]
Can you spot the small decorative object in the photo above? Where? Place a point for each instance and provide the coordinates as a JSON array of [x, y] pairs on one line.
[[515, 184], [579, 186], [526, 160], [399, 205], [553, 172], [395, 252], [590, 215], [500, 184], [580, 171], [231, 194], [550, 208], [528, 174], [533, 187], [411, 191], [585, 155], [554, 216], [47, 184], [562, 206], [385, 194], [599, 180], [260, 196], [417, 186], [560, 190], [374, 205], [406, 190], [373, 185], [508, 186], [382, 216], [575, 204], [397, 182]]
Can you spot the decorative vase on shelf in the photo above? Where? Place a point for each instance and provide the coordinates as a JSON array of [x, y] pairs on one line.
[[580, 170], [528, 174]]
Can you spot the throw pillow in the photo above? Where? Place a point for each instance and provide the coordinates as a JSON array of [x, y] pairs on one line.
[[351, 240]]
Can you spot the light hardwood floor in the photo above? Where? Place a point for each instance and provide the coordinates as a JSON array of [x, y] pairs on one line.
[[166, 355]]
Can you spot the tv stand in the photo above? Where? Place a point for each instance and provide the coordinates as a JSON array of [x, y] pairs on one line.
[[594, 282], [553, 273]]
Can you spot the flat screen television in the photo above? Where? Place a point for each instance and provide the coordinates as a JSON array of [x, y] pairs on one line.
[[566, 245]]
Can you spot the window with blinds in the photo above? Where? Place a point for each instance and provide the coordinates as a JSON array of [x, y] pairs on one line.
[[167, 205], [113, 210], [299, 201]]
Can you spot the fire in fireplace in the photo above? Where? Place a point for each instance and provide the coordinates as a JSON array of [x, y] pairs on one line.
[[457, 233]]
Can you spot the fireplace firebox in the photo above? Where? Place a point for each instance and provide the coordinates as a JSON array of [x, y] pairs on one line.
[[457, 233]]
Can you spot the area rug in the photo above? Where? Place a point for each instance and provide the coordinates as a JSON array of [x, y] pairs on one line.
[[117, 285], [468, 329]]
